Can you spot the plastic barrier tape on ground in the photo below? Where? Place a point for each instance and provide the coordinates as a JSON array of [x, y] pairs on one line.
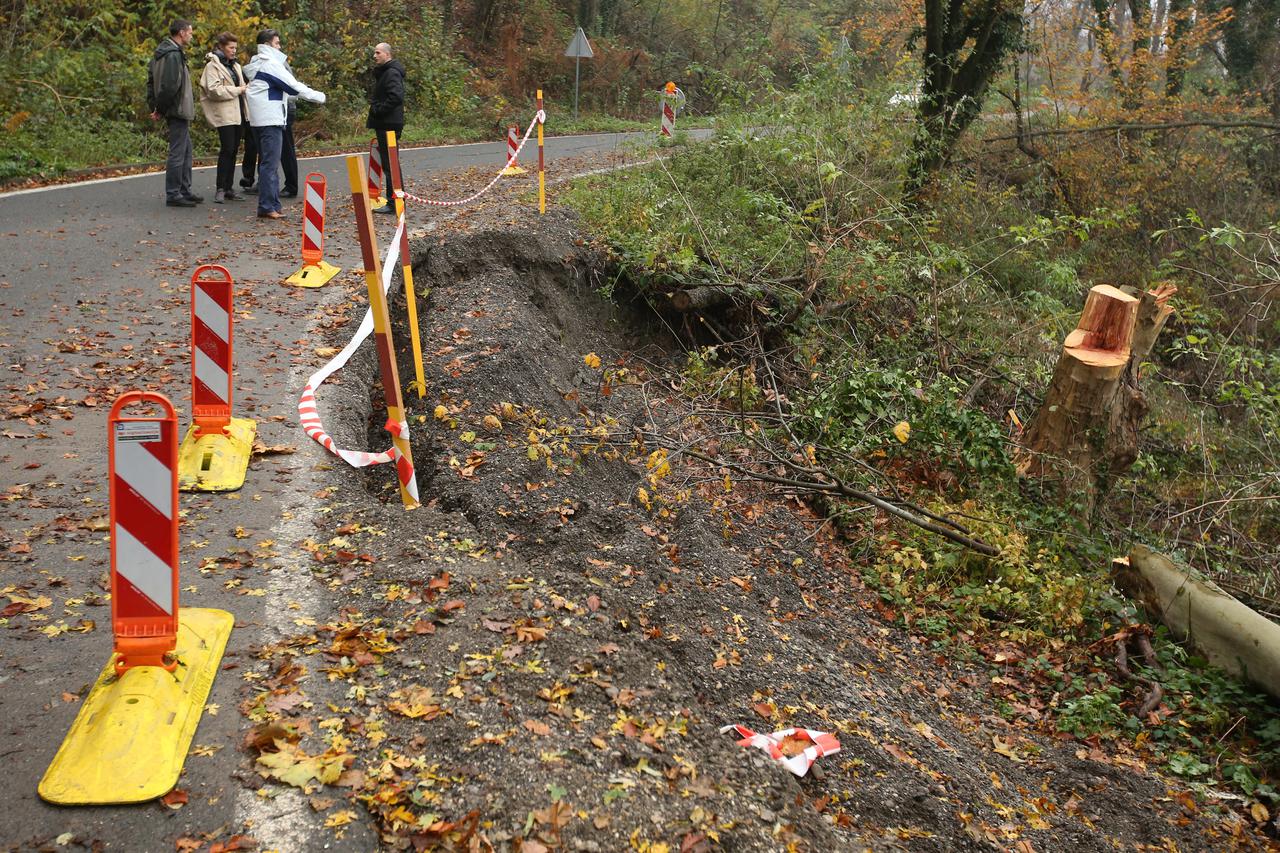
[[779, 743], [214, 456], [130, 739], [537, 121], [315, 271], [308, 411]]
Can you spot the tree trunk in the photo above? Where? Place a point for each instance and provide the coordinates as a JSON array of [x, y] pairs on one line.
[[1229, 634], [1085, 432]]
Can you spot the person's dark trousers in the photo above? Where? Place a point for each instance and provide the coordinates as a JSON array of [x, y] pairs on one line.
[[384, 155], [249, 167], [228, 144], [177, 168], [269, 139], [289, 158]]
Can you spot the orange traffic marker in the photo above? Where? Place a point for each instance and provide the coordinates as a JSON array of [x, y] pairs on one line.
[[315, 271], [376, 198], [143, 463], [135, 726], [214, 456]]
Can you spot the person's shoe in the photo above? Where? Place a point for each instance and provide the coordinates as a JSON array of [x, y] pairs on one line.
[[289, 194], [271, 214], [386, 208], [219, 196], [245, 185], [180, 202], [196, 198], [230, 195], [250, 188]]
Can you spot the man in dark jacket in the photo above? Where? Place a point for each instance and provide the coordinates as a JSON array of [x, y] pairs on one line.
[[169, 96], [386, 111]]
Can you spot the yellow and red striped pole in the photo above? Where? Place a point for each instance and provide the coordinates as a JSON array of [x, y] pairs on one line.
[[406, 265], [396, 423], [542, 172]]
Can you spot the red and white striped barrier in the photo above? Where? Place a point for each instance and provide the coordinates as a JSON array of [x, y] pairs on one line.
[[315, 271], [778, 743], [513, 152], [538, 119], [143, 487], [668, 118], [376, 198], [214, 455], [211, 346]]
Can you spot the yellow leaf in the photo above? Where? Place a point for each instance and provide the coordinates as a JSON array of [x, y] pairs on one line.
[[903, 431], [1259, 812], [341, 818], [591, 360], [441, 413]]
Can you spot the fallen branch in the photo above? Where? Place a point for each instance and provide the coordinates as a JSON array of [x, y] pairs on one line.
[[1108, 128], [831, 485]]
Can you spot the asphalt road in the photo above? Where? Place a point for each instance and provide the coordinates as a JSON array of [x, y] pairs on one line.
[[94, 290]]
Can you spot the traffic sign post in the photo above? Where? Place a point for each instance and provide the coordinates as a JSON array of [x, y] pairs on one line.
[[579, 49]]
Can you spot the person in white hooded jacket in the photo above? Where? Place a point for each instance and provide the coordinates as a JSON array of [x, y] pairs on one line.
[[271, 84]]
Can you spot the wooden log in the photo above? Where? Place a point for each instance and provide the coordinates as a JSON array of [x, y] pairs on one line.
[[1228, 634]]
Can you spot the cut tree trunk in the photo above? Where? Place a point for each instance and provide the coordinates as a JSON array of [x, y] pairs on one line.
[[1086, 430], [1229, 634]]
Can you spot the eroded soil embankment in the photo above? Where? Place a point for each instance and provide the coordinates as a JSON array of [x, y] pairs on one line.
[[578, 650]]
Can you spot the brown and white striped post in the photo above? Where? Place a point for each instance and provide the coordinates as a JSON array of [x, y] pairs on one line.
[[397, 424]]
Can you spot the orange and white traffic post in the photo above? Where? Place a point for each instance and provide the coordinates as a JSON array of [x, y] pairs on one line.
[[214, 455], [376, 198], [672, 99], [513, 151], [143, 487], [315, 271], [397, 424], [130, 740], [406, 265]]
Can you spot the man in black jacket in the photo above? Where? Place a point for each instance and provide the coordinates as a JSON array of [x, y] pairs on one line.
[[386, 112], [169, 96]]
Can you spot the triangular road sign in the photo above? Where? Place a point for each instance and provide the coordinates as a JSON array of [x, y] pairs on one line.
[[580, 47]]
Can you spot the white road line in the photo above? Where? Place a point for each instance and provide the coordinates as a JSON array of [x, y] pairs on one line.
[[160, 171]]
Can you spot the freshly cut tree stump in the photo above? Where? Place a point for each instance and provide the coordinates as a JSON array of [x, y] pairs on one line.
[[1229, 634], [1085, 431]]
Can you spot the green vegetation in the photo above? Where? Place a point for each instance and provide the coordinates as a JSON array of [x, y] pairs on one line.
[[947, 317], [73, 75]]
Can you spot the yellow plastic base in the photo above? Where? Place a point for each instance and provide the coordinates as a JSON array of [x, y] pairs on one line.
[[377, 202], [515, 170], [216, 463], [317, 276], [130, 739]]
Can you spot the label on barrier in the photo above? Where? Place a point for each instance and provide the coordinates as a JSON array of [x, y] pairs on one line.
[[142, 431]]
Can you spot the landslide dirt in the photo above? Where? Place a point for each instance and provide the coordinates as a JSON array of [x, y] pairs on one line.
[[536, 660]]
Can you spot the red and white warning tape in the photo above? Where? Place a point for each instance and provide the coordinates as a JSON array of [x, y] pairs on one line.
[[820, 744], [310, 415], [537, 119]]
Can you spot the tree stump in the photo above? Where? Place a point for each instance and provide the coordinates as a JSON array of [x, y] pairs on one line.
[[1085, 432]]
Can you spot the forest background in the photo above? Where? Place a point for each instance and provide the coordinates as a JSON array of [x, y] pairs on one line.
[[885, 243], [72, 73]]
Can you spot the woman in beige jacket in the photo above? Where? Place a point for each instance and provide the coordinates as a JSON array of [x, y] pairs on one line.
[[222, 88]]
